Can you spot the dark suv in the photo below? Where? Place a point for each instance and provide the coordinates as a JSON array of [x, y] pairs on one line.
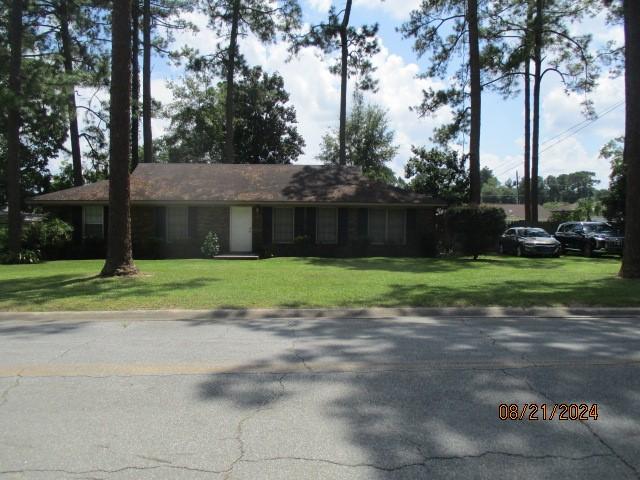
[[589, 238]]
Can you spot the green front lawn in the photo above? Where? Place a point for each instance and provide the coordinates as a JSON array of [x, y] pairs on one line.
[[315, 282]]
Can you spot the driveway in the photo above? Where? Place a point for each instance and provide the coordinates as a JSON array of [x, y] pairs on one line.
[[343, 398]]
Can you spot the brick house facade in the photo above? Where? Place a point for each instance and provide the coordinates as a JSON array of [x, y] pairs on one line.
[[267, 209]]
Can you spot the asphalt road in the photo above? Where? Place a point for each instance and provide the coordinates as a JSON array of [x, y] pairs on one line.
[[390, 398]]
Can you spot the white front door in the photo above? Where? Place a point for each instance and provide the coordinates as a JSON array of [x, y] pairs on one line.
[[241, 232]]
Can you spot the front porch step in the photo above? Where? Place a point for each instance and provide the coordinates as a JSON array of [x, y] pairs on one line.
[[237, 256]]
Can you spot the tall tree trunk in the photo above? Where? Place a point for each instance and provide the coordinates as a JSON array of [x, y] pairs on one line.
[[13, 128], [119, 258], [631, 257], [476, 95], [344, 73], [229, 111], [146, 83], [537, 80], [527, 141], [67, 55], [135, 82]]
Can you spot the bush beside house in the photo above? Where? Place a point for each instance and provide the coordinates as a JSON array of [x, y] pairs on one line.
[[473, 230]]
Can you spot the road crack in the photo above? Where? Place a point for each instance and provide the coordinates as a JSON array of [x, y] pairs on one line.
[[267, 404], [427, 459], [593, 433], [5, 393]]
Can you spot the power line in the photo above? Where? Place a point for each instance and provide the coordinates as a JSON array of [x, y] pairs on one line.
[[584, 124], [583, 127], [587, 120]]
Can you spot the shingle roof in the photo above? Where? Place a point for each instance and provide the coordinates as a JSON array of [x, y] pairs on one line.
[[229, 183], [516, 211]]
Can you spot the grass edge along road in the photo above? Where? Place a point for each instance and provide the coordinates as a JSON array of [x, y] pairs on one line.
[[320, 282]]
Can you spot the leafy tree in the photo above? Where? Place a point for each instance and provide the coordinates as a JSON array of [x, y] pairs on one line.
[[65, 176], [445, 28], [356, 47], [588, 208], [569, 187], [369, 140], [236, 18], [440, 173], [119, 257], [78, 30], [493, 191], [265, 124], [614, 199]]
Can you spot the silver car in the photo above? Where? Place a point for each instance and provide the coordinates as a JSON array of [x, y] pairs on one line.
[[529, 241]]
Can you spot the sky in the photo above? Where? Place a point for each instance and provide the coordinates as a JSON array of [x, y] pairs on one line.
[[314, 92]]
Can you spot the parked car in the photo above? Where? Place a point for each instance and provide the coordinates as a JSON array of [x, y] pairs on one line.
[[589, 238], [529, 241]]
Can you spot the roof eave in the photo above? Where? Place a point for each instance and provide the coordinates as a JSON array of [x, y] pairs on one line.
[[430, 204]]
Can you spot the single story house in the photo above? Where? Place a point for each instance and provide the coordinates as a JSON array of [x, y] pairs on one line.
[[283, 210]]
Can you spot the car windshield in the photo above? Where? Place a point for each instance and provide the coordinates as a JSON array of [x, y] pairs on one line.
[[599, 228], [533, 232]]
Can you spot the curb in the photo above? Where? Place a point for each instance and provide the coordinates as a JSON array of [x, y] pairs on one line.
[[318, 313]]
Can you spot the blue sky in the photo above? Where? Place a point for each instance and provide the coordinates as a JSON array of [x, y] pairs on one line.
[[315, 95]]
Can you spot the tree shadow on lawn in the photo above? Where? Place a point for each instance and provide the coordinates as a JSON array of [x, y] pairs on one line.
[[413, 412], [18, 292], [433, 265], [611, 292]]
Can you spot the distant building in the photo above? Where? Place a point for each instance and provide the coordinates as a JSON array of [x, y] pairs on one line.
[[515, 212]]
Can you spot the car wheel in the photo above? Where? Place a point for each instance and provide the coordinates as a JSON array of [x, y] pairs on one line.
[[519, 252], [587, 249], [501, 249]]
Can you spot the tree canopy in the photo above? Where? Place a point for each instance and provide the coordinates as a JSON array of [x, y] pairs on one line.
[[265, 124], [369, 139]]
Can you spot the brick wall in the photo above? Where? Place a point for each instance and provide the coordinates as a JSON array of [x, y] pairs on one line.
[[147, 244], [421, 243]]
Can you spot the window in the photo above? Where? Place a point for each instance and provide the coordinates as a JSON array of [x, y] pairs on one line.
[[387, 226], [283, 225], [377, 225], [177, 223], [93, 221], [395, 226], [327, 231]]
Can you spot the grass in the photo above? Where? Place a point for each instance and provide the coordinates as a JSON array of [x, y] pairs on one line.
[[316, 282]]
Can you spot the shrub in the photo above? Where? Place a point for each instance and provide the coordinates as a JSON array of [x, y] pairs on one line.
[[474, 230], [46, 236], [23, 256], [4, 234], [211, 245]]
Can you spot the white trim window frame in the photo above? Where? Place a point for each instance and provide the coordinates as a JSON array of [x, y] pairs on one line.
[[280, 213], [182, 229], [322, 238], [90, 215], [387, 240]]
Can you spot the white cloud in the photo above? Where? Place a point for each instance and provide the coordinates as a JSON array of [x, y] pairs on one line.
[[315, 92], [319, 5], [397, 9]]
